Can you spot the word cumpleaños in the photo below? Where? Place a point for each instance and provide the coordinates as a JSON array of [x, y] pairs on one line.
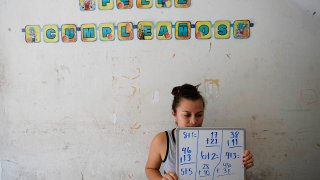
[[145, 31]]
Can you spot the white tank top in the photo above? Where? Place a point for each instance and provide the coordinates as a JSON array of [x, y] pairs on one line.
[[169, 162]]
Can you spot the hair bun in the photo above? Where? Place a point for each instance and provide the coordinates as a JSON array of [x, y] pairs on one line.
[[175, 91], [186, 88]]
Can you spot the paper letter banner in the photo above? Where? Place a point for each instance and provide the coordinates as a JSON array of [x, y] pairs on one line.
[[144, 30]]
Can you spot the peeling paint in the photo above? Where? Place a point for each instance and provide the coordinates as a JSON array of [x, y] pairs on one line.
[[155, 98], [114, 118], [212, 87]]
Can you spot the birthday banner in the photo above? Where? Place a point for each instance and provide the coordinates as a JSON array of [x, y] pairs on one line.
[[145, 30]]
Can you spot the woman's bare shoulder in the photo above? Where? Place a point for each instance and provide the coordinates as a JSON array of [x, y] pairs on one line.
[[160, 138]]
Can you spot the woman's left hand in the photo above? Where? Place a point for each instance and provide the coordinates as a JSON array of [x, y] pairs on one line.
[[247, 159]]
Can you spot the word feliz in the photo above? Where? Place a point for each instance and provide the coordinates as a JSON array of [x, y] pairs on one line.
[[90, 5], [145, 31]]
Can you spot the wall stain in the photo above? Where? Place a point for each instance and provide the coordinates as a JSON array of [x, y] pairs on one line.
[[114, 80], [131, 78], [130, 176], [215, 82], [136, 125], [2, 76], [210, 47], [253, 126], [8, 160], [314, 13], [66, 146], [267, 173], [280, 133], [309, 96], [318, 145], [60, 70], [228, 55], [173, 56], [212, 87], [134, 91]]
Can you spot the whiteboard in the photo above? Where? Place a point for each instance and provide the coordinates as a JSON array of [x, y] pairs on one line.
[[210, 153]]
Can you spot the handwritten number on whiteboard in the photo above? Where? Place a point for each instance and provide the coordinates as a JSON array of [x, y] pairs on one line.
[[209, 156], [233, 141], [234, 134], [186, 171], [186, 156], [232, 155], [187, 135]]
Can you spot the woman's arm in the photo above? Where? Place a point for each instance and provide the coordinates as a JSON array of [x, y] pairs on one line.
[[154, 159], [157, 152]]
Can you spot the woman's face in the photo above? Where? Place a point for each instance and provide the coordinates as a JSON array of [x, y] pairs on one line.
[[189, 113]]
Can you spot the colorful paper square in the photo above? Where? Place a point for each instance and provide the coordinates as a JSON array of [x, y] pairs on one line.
[[163, 3], [144, 4], [124, 4], [222, 29], [183, 30], [69, 33], [125, 31], [164, 30], [203, 30], [241, 29], [145, 30], [88, 32], [106, 4], [32, 34], [87, 5], [50, 33], [107, 32], [182, 3]]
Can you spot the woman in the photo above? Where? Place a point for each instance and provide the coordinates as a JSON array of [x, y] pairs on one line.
[[188, 111]]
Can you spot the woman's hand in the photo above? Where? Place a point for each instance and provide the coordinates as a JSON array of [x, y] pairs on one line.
[[170, 176], [247, 159]]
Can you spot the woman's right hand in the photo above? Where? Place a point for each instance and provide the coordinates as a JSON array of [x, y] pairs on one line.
[[170, 176]]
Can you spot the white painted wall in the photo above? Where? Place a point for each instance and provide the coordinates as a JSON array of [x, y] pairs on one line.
[[90, 110]]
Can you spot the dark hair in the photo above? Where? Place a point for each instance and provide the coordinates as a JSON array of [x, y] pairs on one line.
[[186, 91]]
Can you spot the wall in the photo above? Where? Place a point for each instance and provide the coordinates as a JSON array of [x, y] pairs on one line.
[[89, 110]]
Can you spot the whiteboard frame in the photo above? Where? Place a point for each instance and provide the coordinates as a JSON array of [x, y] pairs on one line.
[[207, 128]]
